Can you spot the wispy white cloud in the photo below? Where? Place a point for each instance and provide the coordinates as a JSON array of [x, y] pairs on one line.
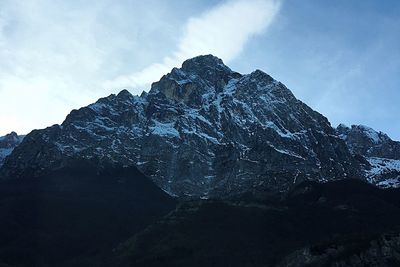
[[58, 55], [55, 55], [223, 31]]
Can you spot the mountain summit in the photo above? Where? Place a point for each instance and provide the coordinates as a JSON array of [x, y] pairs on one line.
[[198, 77], [203, 130], [8, 143], [381, 153]]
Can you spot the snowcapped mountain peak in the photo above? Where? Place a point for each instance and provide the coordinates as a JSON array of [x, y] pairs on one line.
[[9, 140], [125, 94], [365, 141], [382, 154], [342, 127], [369, 132], [8, 143], [202, 130], [198, 77], [361, 131], [204, 62], [261, 75], [11, 137]]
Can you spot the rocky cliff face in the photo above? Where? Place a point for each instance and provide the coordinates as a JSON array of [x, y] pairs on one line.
[[381, 152], [366, 141], [7, 145], [203, 130]]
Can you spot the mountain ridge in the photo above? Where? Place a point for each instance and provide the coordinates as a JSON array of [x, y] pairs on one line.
[[201, 131], [381, 153]]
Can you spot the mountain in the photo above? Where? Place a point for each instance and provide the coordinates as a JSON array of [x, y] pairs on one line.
[[76, 215], [381, 152], [203, 130], [366, 141], [8, 143], [339, 223], [245, 159]]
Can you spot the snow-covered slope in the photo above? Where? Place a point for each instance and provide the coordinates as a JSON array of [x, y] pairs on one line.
[[7, 145], [384, 172], [366, 141], [381, 152], [202, 130]]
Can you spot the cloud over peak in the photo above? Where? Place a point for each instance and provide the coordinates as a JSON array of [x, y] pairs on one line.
[[222, 31], [60, 55]]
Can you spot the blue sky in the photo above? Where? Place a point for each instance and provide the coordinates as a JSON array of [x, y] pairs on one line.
[[340, 57]]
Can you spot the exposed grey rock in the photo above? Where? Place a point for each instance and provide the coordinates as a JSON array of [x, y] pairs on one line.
[[8, 143], [366, 141], [203, 130], [382, 154]]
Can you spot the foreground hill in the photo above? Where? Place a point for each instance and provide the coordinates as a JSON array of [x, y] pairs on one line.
[[342, 223], [75, 216]]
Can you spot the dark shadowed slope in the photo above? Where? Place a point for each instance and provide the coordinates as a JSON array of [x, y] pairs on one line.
[[76, 215], [335, 221]]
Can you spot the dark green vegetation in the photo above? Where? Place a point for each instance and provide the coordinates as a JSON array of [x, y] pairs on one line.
[[75, 216], [336, 222]]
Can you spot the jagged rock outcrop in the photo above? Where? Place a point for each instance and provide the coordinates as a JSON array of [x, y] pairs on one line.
[[382, 154], [203, 130], [8, 143], [366, 141]]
